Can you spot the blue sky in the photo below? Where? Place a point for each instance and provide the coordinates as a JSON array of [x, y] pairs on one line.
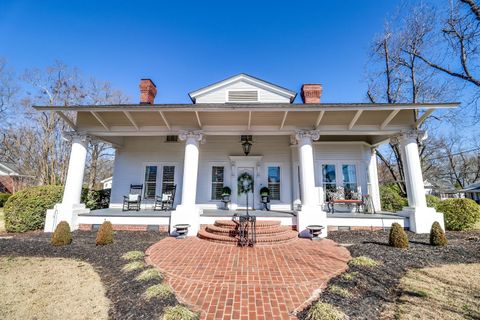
[[186, 45]]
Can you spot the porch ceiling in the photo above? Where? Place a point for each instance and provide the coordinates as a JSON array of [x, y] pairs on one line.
[[336, 120]]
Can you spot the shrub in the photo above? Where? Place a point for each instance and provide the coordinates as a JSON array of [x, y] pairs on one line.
[[104, 234], [96, 199], [398, 237], [226, 191], [433, 201], [324, 311], [363, 261], [3, 198], [179, 313], [133, 255], [26, 209], [459, 214], [132, 266], [264, 191], [391, 198], [62, 235], [339, 291], [149, 274], [160, 291], [437, 235]]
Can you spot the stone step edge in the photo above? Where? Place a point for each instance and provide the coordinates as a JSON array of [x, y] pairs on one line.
[[274, 239], [259, 223], [263, 231]]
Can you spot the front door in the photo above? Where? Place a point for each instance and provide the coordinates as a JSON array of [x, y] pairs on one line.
[[242, 198]]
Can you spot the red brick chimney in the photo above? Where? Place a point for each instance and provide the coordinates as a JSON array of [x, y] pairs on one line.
[[311, 93], [148, 91]]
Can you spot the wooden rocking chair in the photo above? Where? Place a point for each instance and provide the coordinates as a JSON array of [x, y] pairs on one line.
[[165, 201], [133, 200]]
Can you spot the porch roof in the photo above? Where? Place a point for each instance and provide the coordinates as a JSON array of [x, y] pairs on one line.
[[341, 121]]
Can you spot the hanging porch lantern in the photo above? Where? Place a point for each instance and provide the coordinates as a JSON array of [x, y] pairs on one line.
[[246, 144]]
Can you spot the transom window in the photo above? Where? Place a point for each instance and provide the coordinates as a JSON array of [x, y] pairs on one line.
[[217, 182], [274, 182]]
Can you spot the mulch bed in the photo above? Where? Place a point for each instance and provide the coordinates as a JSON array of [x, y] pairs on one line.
[[124, 292], [374, 287]]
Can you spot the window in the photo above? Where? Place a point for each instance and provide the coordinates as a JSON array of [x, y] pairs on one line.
[[217, 182], [274, 182], [329, 178], [171, 139], [349, 179], [150, 182], [168, 178]]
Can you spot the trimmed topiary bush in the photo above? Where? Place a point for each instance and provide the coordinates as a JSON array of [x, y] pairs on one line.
[[26, 209], [62, 235], [391, 199], [398, 237], [459, 214], [3, 198], [433, 201], [437, 235], [104, 234]]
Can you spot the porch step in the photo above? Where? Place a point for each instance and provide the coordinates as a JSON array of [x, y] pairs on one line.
[[268, 232]]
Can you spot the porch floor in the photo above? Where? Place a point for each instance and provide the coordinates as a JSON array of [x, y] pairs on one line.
[[117, 212], [257, 213]]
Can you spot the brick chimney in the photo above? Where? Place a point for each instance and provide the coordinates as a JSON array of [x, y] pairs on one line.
[[148, 91], [311, 93]]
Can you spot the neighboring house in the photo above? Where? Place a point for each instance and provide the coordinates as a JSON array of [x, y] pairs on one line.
[[11, 180], [107, 183], [472, 192], [444, 189], [299, 151]]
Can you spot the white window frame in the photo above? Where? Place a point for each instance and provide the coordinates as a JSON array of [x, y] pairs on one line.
[[226, 178], [159, 182], [339, 173], [282, 178]]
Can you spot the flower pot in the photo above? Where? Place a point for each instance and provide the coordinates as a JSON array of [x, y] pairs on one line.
[[182, 230]]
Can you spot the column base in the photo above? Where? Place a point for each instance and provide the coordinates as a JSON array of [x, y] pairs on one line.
[[422, 218], [311, 216], [64, 212], [186, 214]]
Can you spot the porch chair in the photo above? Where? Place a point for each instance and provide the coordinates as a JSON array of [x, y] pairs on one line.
[[340, 197], [165, 201], [133, 200]]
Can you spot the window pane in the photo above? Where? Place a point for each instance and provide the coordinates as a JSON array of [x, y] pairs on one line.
[[349, 179], [329, 179], [217, 182], [274, 182], [150, 182], [168, 178]]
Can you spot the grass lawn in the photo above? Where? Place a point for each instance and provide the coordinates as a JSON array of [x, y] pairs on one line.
[[50, 288], [2, 221], [446, 292]]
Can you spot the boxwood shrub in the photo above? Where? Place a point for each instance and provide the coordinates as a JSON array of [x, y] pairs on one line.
[[26, 209], [3, 198], [459, 214], [433, 201], [391, 199]]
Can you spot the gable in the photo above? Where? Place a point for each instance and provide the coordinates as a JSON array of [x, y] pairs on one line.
[[242, 89]]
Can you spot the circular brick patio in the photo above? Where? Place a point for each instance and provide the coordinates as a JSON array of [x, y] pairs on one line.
[[264, 282]]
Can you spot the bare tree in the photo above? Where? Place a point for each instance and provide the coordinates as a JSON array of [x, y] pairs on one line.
[[8, 89]]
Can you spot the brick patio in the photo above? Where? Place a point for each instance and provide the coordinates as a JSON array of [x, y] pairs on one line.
[[264, 282]]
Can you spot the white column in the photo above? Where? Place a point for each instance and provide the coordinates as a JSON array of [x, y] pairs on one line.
[[76, 170], [373, 181], [311, 212], [70, 206], [187, 212], [420, 216], [307, 168]]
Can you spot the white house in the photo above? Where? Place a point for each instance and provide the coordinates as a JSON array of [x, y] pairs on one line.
[[107, 183], [298, 151]]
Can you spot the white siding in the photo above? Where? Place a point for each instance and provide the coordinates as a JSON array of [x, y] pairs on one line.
[[137, 152], [220, 95]]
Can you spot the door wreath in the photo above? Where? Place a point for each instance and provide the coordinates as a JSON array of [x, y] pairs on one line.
[[241, 182]]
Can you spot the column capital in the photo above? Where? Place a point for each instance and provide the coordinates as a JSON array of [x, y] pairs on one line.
[[309, 134], [412, 134], [73, 136], [191, 134]]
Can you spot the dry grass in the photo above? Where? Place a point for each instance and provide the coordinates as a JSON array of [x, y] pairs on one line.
[[339, 291], [160, 291], [2, 221], [447, 292], [132, 266], [363, 261], [325, 311], [50, 288], [149, 274], [133, 255]]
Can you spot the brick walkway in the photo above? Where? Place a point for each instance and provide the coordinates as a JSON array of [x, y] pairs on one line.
[[264, 282]]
